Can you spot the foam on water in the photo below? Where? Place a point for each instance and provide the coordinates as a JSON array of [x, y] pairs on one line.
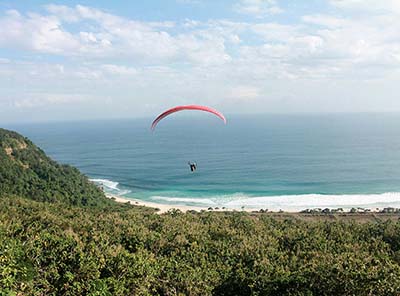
[[107, 183], [289, 202], [184, 200], [110, 186], [299, 202]]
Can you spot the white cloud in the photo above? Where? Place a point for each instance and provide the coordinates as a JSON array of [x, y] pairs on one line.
[[63, 12], [47, 99], [276, 32], [119, 70], [320, 43], [244, 93], [372, 6], [220, 62], [35, 32], [258, 8], [105, 35], [326, 21], [364, 40]]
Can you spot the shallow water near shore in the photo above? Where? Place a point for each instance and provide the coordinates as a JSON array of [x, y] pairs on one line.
[[272, 161]]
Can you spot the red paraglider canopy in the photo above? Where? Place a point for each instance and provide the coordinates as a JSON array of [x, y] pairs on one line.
[[187, 107]]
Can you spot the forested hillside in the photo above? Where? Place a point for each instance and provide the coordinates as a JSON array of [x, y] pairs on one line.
[[26, 171], [50, 249]]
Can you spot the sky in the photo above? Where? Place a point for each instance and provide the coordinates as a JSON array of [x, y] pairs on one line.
[[77, 60]]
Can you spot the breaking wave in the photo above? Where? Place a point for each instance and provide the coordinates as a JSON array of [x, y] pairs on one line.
[[289, 202], [110, 186], [184, 200]]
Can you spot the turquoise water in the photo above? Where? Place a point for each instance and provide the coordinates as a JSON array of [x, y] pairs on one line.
[[271, 161]]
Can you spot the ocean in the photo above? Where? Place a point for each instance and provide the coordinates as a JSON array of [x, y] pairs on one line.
[[288, 162]]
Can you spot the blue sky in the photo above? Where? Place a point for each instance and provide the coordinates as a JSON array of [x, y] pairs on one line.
[[73, 60]]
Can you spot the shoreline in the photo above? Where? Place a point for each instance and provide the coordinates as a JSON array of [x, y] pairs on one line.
[[386, 202], [164, 208]]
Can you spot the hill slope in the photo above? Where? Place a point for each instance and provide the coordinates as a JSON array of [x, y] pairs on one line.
[[26, 171], [54, 249]]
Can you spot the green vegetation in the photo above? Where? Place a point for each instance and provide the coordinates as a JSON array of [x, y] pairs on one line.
[[66, 248], [26, 171], [124, 250]]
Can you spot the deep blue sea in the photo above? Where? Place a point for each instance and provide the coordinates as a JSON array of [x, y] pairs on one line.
[[286, 162]]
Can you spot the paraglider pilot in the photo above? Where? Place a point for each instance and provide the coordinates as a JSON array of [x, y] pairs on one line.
[[193, 166]]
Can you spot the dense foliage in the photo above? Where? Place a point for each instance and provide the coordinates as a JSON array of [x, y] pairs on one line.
[[50, 249], [26, 171]]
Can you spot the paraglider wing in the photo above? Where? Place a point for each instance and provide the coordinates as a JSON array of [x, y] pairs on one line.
[[187, 107]]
